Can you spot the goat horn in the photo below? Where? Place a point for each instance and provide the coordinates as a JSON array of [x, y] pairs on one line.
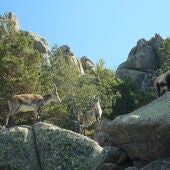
[[55, 87]]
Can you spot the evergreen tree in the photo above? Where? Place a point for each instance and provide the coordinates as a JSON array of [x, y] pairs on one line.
[[75, 90], [165, 66], [131, 97], [119, 96], [107, 85], [19, 64]]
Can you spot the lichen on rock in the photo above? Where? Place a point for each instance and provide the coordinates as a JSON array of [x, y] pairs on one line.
[[63, 149], [17, 148]]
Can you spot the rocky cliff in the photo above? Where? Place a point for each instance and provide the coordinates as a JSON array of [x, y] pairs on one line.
[[141, 65], [143, 61]]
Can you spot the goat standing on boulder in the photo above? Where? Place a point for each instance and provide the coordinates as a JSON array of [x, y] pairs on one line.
[[92, 115], [29, 102]]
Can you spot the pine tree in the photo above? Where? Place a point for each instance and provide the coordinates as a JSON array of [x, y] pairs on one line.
[[75, 90], [165, 66], [20, 67]]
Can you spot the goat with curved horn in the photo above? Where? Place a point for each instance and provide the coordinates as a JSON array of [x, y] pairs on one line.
[[92, 115], [30, 102]]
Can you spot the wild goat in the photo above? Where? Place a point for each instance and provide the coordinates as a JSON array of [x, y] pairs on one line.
[[29, 102], [162, 83], [92, 115]]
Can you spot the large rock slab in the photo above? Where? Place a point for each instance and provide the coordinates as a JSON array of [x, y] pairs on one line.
[[17, 149], [45, 146], [145, 133], [63, 149], [143, 60]]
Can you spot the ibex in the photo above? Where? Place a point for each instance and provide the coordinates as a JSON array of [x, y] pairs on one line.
[[92, 115], [162, 83], [29, 102]]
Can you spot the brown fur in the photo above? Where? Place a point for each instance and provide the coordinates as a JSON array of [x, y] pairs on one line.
[[29, 102], [92, 115], [162, 83]]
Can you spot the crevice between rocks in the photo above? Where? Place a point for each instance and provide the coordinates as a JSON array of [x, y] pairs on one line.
[[36, 150]]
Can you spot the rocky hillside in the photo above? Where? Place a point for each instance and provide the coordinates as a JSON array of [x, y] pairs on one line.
[[143, 61], [40, 43], [141, 65], [143, 134], [136, 141], [139, 140], [84, 63]]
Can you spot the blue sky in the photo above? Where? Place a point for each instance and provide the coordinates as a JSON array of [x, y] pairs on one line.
[[100, 29]]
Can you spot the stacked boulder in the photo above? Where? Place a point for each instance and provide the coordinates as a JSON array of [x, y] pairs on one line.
[[65, 50], [143, 134], [143, 61], [88, 63], [83, 64]]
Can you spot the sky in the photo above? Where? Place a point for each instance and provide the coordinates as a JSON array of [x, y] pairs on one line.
[[100, 29]]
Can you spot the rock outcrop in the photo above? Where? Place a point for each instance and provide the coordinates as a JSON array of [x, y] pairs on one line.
[[17, 149], [65, 50], [143, 61], [143, 134], [47, 147], [88, 63], [83, 64], [12, 17], [103, 134], [63, 149], [39, 42], [41, 45]]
